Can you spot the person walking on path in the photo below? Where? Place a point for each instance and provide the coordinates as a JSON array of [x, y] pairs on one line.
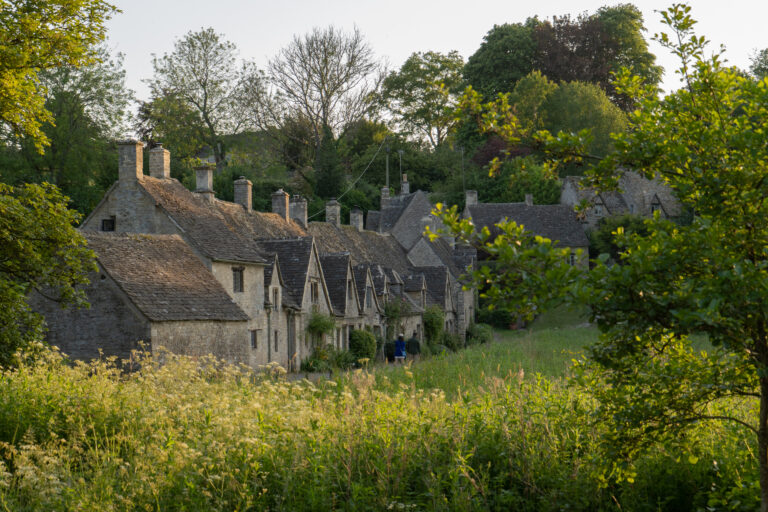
[[400, 349]]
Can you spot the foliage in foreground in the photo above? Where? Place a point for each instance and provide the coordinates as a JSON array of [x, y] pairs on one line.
[[195, 435]]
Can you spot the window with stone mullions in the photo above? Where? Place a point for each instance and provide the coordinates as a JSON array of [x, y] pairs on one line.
[[238, 286]]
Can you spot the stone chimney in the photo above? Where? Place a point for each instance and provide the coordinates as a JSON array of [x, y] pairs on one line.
[[244, 193], [384, 197], [470, 197], [130, 160], [405, 187], [280, 204], [204, 176], [529, 199], [356, 218], [298, 210], [333, 212], [159, 162]]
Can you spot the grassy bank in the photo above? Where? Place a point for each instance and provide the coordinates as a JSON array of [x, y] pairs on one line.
[[467, 431]]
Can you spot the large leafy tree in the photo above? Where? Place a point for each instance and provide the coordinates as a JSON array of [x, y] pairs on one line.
[[706, 142], [203, 81], [89, 108], [421, 95], [328, 170], [36, 35], [40, 252]]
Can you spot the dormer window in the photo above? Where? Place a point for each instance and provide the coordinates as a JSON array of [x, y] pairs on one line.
[[238, 286], [108, 224], [276, 299], [368, 297], [314, 291], [599, 210], [655, 206], [349, 287], [572, 259]]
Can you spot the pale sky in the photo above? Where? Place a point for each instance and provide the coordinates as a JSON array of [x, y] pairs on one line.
[[396, 28]]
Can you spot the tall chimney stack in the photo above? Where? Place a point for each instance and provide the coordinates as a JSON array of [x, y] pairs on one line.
[[280, 204], [204, 177], [356, 218], [333, 212], [384, 197], [244, 193], [405, 187], [130, 160], [159, 162], [298, 209], [470, 197], [529, 199]]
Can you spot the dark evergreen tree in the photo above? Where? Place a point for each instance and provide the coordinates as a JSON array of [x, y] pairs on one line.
[[328, 170]]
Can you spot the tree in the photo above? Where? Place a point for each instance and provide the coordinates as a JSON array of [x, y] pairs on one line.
[[328, 76], [505, 56], [706, 142], [421, 96], [40, 251], [201, 79], [591, 48], [89, 109], [759, 65], [38, 35], [328, 171]]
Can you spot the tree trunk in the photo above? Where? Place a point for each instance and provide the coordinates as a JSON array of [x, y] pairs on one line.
[[762, 444]]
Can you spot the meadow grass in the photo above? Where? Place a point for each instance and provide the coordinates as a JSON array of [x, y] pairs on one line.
[[466, 431]]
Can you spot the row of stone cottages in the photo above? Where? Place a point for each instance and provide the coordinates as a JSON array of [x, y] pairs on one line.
[[198, 275]]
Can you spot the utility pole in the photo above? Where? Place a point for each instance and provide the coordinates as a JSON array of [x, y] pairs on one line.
[[387, 166], [400, 152], [463, 181]]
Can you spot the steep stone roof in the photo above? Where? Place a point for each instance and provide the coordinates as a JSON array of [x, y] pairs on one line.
[[554, 221], [163, 277], [372, 220], [259, 225], [363, 246], [413, 283], [379, 278], [294, 256], [437, 281], [208, 229], [335, 268], [361, 279]]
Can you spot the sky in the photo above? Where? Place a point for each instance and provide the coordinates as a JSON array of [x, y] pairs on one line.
[[396, 28]]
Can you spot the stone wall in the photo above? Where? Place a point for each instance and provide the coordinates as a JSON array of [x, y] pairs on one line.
[[112, 324], [229, 341]]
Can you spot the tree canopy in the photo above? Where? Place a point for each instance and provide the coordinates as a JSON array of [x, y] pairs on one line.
[[421, 96], [38, 35]]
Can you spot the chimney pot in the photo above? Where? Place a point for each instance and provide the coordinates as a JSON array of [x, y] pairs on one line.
[[130, 160], [298, 209], [204, 177], [333, 212], [470, 197], [529, 199], [405, 187], [356, 218], [244, 193], [159, 162], [280, 204]]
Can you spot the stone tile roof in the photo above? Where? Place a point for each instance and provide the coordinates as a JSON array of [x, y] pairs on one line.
[[335, 267], [372, 220], [413, 282], [413, 307], [361, 279], [294, 256], [445, 253], [363, 246], [554, 221], [163, 277], [207, 227], [379, 278], [259, 225], [437, 281], [394, 210]]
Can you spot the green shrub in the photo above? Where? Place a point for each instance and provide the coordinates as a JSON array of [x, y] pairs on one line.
[[479, 334], [413, 346], [362, 345], [452, 341], [343, 359], [389, 350], [434, 320], [498, 318]]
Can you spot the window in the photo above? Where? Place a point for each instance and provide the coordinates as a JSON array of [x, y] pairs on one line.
[[237, 280], [277, 340], [254, 339], [276, 299], [655, 207], [108, 224], [572, 259], [599, 210], [349, 288], [368, 297], [314, 288]]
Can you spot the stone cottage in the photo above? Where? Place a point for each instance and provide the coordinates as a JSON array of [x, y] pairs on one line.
[[557, 222]]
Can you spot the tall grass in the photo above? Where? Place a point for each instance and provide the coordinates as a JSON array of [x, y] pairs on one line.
[[197, 435]]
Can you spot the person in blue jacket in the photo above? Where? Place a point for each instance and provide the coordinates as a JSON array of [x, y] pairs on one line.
[[400, 349]]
